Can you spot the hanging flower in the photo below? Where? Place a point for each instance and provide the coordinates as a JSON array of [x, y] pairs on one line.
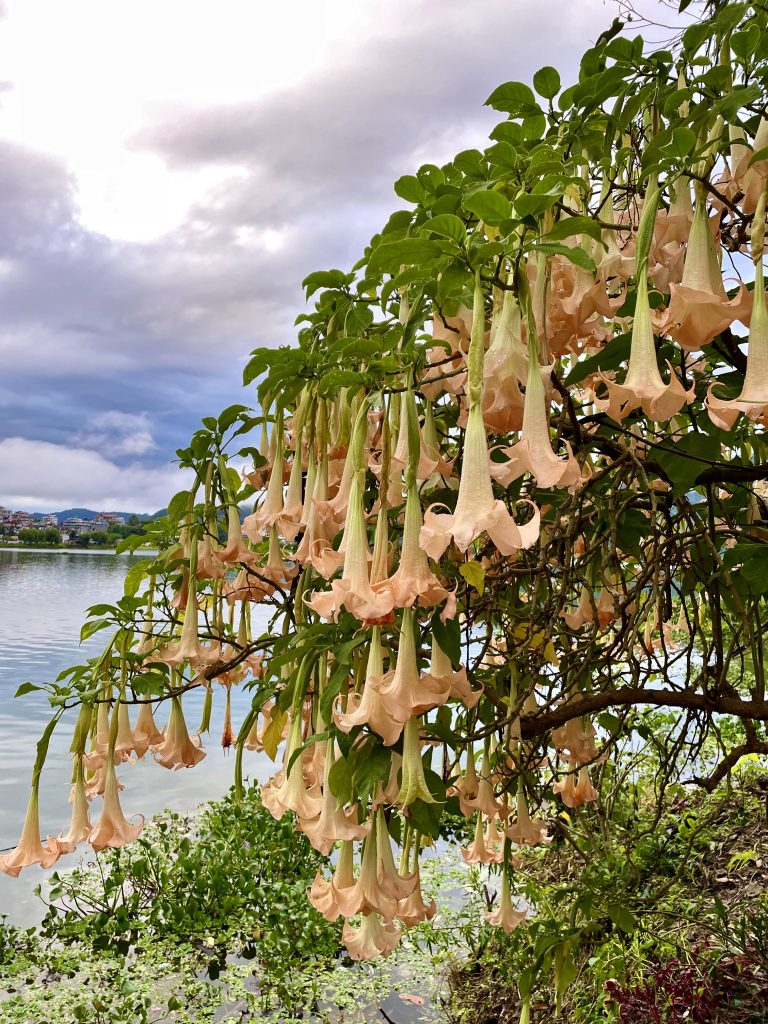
[[30, 850], [80, 823], [526, 831], [365, 707], [373, 938], [177, 750], [505, 916], [442, 670], [753, 399], [112, 829]]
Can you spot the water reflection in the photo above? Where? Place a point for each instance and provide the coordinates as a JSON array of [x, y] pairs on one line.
[[43, 598]]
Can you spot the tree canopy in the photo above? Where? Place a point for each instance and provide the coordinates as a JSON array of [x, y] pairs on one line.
[[509, 496]]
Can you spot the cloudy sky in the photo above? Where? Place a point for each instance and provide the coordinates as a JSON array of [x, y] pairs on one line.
[[170, 170]]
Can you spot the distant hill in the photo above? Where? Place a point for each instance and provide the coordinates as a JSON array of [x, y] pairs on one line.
[[88, 514]]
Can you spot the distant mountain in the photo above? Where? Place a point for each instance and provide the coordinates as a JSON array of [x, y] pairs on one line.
[[88, 514]]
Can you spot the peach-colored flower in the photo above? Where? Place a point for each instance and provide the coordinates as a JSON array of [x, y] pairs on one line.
[[414, 582], [392, 883], [753, 399], [577, 736], [643, 386], [505, 916], [373, 938], [414, 909], [177, 749], [333, 824], [477, 511], [699, 309], [189, 648], [234, 550], [478, 852], [526, 831], [288, 790], [208, 565], [405, 692], [576, 788], [112, 829], [80, 823], [354, 590], [145, 731], [441, 669], [533, 452], [30, 850], [484, 799], [332, 898], [365, 707]]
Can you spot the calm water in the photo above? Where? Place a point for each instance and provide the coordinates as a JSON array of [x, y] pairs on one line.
[[43, 597]]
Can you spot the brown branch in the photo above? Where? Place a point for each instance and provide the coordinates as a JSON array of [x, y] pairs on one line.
[[710, 783]]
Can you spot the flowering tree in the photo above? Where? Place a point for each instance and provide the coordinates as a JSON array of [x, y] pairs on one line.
[[509, 492]]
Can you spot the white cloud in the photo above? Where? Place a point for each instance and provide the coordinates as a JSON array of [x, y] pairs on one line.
[[40, 476], [118, 433]]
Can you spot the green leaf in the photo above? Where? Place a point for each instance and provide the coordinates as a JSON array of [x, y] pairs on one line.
[[410, 189], [134, 577], [93, 626], [692, 454], [546, 82], [474, 574], [331, 383], [323, 279], [578, 256], [448, 225], [514, 98], [26, 688], [491, 207], [531, 205], [567, 227], [390, 256], [613, 355], [761, 154]]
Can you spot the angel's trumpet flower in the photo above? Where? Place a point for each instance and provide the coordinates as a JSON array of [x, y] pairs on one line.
[[405, 692], [333, 824], [177, 749], [393, 884], [414, 909], [112, 829], [30, 850], [484, 800], [189, 648], [145, 731], [414, 582], [234, 550], [368, 894], [577, 736], [354, 590], [643, 386], [414, 784], [478, 852], [442, 670], [533, 452], [752, 177], [366, 706], [454, 332], [526, 831], [505, 916], [291, 793], [699, 309], [208, 565], [477, 511], [331, 898], [753, 399], [80, 824], [373, 938]]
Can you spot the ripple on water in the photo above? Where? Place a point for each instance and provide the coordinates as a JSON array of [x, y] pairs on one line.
[[43, 600]]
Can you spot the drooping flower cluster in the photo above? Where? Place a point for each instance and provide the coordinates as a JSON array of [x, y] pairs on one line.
[[465, 511]]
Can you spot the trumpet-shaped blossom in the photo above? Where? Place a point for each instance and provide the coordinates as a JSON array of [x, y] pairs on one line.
[[458, 683], [80, 823], [505, 915], [414, 784], [643, 387], [533, 452], [366, 707], [526, 831], [373, 938], [177, 749], [753, 399], [477, 511], [112, 829], [405, 692], [414, 582], [30, 850], [333, 824]]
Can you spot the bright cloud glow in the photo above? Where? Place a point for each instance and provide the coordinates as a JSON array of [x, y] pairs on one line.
[[87, 74], [39, 476]]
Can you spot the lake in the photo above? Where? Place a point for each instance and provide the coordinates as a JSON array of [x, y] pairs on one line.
[[43, 599]]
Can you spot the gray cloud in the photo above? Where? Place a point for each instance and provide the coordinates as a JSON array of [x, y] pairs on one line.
[[91, 326]]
